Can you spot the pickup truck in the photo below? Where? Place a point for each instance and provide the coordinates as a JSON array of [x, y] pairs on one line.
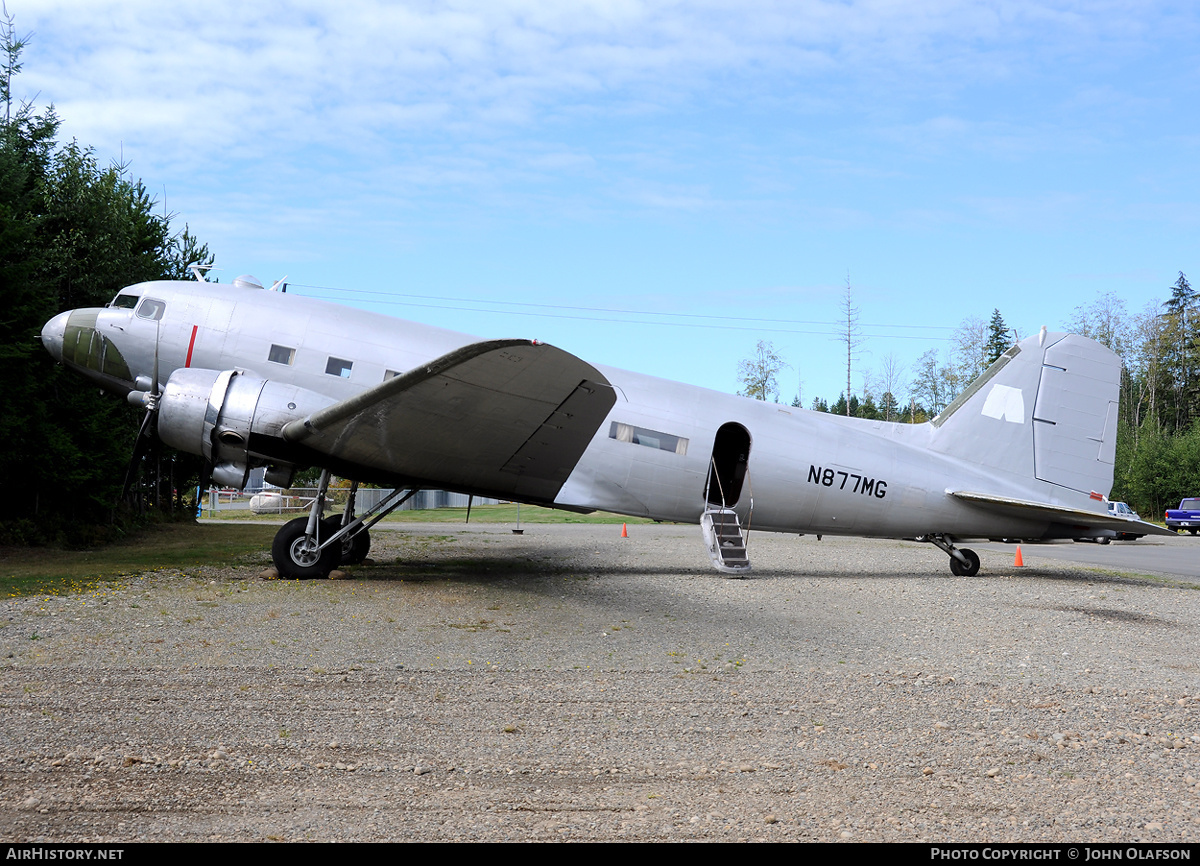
[[1186, 516], [1120, 509]]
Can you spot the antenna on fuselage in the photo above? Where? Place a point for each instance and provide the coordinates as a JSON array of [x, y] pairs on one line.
[[279, 285], [199, 269]]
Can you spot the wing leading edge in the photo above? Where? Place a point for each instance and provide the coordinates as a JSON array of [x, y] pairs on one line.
[[505, 417]]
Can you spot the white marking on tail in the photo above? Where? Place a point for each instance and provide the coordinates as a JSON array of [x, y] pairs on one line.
[[1005, 403]]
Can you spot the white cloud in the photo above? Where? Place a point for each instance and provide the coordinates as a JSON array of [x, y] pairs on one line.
[[284, 74], [838, 116]]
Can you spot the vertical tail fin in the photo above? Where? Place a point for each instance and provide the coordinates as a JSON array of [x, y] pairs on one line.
[[1046, 410]]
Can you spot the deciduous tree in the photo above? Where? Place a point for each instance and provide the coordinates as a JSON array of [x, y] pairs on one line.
[[934, 384], [758, 374]]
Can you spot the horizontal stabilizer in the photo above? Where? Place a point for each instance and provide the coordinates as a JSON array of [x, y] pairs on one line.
[[1074, 517]]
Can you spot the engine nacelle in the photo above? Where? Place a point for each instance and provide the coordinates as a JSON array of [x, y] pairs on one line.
[[214, 412]]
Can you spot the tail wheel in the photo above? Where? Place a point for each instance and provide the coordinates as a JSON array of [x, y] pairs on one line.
[[297, 556], [969, 570]]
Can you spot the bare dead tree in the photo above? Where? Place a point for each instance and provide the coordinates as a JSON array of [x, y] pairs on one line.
[[851, 334]]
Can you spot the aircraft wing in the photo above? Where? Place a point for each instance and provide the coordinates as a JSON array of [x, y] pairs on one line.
[[504, 417], [1075, 517]]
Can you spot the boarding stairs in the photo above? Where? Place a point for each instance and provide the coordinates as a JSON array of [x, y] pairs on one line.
[[725, 540], [722, 529]]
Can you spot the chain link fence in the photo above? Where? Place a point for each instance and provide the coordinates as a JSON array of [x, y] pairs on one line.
[[297, 500]]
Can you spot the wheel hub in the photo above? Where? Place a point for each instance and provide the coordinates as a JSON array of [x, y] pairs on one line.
[[305, 552]]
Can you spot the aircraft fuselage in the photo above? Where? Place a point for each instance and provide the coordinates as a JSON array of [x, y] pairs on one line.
[[783, 469]]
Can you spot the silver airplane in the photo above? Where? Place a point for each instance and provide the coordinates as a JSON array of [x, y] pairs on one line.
[[256, 377]]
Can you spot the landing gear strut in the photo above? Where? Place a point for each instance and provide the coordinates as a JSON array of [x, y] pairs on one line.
[[963, 562], [309, 547], [355, 546]]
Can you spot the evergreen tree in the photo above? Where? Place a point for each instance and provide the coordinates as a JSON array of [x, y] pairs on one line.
[[889, 408], [998, 339], [71, 235], [1183, 352]]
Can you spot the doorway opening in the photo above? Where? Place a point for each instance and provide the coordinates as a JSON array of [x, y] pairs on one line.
[[727, 469]]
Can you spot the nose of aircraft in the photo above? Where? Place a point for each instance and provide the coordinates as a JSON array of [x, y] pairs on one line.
[[52, 334]]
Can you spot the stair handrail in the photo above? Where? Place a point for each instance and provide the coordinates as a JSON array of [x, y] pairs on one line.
[[712, 462], [750, 513]]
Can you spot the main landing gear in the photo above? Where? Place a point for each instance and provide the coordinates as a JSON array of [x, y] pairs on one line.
[[299, 555], [311, 547], [963, 562]]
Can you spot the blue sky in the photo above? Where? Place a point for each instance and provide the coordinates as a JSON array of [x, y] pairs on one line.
[[484, 165]]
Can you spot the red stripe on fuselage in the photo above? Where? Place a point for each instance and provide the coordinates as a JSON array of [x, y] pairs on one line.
[[191, 345]]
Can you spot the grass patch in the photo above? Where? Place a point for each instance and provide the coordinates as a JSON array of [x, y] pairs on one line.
[[42, 571]]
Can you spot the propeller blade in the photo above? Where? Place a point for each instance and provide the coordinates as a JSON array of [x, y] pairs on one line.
[[145, 434], [149, 429], [205, 480]]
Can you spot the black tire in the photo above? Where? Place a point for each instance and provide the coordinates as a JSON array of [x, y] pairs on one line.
[[355, 549], [329, 526], [960, 570], [295, 555]]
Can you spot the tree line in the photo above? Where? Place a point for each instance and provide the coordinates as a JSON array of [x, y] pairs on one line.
[[1158, 436], [72, 232]]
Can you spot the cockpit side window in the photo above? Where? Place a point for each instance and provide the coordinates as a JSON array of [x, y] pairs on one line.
[[151, 308], [125, 302]]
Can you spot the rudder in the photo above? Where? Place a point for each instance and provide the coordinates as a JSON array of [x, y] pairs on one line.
[[1047, 409]]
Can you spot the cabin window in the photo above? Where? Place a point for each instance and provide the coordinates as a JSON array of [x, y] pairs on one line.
[[126, 302], [649, 438], [151, 308], [281, 355], [339, 367], [390, 374]]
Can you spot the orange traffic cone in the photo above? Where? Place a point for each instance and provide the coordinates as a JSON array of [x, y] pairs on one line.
[[624, 531], [1018, 562]]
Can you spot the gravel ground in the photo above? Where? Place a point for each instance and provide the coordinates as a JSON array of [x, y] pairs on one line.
[[569, 684]]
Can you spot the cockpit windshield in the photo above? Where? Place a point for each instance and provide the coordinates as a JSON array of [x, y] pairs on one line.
[[125, 301]]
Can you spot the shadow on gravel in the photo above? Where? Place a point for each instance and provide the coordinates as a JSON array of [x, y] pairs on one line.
[[476, 569], [1114, 615], [1088, 574], [551, 563]]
